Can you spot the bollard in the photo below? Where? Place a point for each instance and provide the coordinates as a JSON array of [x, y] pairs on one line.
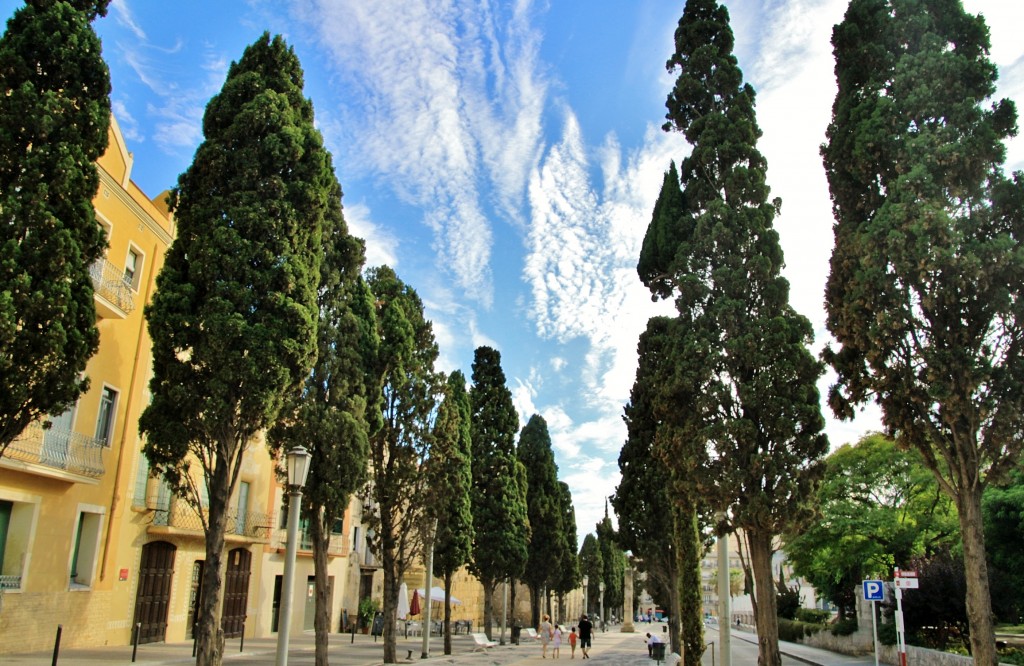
[[241, 644], [195, 639], [352, 625], [56, 644], [135, 641]]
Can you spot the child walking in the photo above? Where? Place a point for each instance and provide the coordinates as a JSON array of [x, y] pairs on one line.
[[557, 642], [572, 643]]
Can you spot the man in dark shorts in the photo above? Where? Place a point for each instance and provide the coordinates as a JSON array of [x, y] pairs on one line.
[[586, 632]]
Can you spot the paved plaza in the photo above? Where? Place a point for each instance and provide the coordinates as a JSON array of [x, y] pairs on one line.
[[613, 648]]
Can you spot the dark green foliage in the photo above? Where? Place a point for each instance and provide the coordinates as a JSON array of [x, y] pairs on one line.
[[793, 631], [1003, 508], [499, 480], [847, 626], [788, 602], [878, 507], [567, 578], [592, 566], [935, 614], [543, 509], [450, 481], [234, 317], [54, 116], [613, 560], [404, 377], [657, 510], [753, 441], [924, 292], [813, 615], [329, 415]]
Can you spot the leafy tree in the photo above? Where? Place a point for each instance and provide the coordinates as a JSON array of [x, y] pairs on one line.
[[451, 479], [405, 379], [54, 116], [924, 292], [499, 481], [756, 402], [234, 317], [878, 507], [935, 614], [329, 416], [1003, 510], [543, 509], [592, 566]]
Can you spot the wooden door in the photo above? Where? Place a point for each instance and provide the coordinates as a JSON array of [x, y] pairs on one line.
[[156, 571], [236, 592]]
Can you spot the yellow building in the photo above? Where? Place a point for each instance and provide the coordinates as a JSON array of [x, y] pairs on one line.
[[62, 490], [89, 541]]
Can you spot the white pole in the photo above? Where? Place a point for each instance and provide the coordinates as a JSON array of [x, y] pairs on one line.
[[426, 593], [284, 622], [724, 599], [901, 639]]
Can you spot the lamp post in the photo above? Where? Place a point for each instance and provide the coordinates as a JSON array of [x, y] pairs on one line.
[[724, 596], [586, 582], [298, 468], [600, 586]]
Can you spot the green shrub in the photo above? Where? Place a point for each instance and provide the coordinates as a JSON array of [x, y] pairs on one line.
[[844, 627], [1011, 656], [813, 615], [793, 631], [887, 633]]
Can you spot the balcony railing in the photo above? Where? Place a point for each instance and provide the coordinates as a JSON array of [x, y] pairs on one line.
[[180, 515], [59, 449], [10, 582], [109, 282], [335, 548]]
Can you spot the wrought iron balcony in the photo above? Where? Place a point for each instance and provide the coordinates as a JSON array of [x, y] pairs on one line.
[[179, 515], [335, 548], [114, 295], [58, 449], [10, 582]]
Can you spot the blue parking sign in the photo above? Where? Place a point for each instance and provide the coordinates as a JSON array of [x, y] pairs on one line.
[[873, 590]]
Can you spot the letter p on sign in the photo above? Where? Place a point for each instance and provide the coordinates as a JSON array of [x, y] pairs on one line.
[[873, 590]]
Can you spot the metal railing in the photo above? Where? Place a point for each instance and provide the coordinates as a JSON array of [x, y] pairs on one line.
[[335, 547], [10, 582], [180, 515], [109, 282], [59, 449]]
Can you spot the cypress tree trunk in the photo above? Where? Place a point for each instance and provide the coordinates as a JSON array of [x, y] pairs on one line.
[[760, 544], [979, 598], [322, 619]]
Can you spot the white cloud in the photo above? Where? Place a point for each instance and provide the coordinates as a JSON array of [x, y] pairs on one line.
[[381, 246], [449, 98], [124, 16], [129, 126]]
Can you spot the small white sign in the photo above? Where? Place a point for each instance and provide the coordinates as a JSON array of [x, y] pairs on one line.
[[904, 573], [907, 583]]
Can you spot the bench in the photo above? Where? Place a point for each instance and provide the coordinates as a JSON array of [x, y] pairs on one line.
[[481, 642], [532, 633]]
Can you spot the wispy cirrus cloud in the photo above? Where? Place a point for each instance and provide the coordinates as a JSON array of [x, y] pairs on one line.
[[182, 97], [446, 97]]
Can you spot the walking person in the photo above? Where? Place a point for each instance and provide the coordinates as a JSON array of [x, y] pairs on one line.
[[572, 643], [545, 632], [556, 642], [586, 635]]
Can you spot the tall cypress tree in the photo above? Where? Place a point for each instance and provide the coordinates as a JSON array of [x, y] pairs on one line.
[[758, 405], [499, 481], [657, 507], [329, 415], [567, 576], [400, 447], [925, 291], [54, 116], [234, 317], [542, 509], [451, 479]]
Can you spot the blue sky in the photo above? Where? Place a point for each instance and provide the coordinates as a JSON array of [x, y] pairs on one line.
[[504, 158]]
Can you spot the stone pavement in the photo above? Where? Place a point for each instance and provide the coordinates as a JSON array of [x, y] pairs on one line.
[[610, 649]]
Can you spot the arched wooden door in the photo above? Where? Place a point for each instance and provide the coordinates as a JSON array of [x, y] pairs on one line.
[[236, 592], [156, 571]]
